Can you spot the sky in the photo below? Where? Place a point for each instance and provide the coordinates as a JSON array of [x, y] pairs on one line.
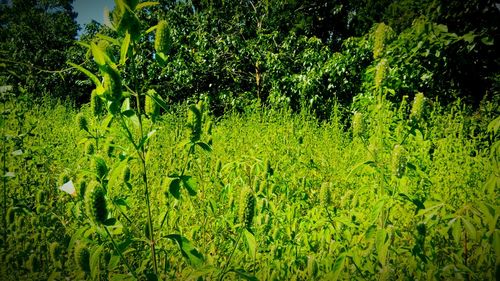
[[89, 10]]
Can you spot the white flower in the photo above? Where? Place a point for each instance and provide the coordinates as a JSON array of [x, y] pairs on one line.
[[68, 188]]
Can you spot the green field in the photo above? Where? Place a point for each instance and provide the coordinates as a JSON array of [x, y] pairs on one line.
[[390, 199], [250, 140]]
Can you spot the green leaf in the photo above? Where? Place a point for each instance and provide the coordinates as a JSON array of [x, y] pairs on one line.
[[381, 246], [469, 37], [250, 242], [370, 231], [205, 270], [146, 4], [190, 184], [469, 228], [124, 48], [494, 125], [441, 27], [121, 202], [116, 172], [126, 104], [89, 74], [338, 266], [128, 113], [121, 277], [377, 209], [110, 222], [189, 252], [204, 146], [109, 39], [146, 138], [243, 274], [158, 100], [94, 261], [99, 56], [174, 187], [151, 29], [489, 41]]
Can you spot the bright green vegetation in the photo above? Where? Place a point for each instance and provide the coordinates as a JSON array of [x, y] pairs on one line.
[[327, 204], [362, 155]]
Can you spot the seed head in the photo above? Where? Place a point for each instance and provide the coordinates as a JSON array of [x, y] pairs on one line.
[[82, 257], [82, 122], [100, 167], [109, 147], [82, 186], [325, 195], [113, 84], [358, 125], [41, 196], [55, 251], [89, 148], [95, 203], [380, 73], [126, 174], [11, 215], [379, 40], [163, 40], [151, 108], [95, 103], [194, 123], [246, 207], [418, 107], [33, 263], [398, 161]]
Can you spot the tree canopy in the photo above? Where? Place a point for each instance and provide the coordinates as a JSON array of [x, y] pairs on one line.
[[292, 53]]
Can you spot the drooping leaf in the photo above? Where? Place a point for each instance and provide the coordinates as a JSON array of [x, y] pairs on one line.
[[338, 266], [189, 252], [381, 246], [243, 274], [124, 48], [174, 187], [95, 256], [204, 146], [89, 74], [109, 39], [146, 4], [250, 242], [146, 138], [469, 228], [190, 184], [99, 56]]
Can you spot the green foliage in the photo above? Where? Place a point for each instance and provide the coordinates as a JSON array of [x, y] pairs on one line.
[[31, 57], [407, 190]]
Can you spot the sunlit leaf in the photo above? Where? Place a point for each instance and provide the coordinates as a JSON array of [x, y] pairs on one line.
[[189, 252], [124, 48], [190, 184], [250, 242]]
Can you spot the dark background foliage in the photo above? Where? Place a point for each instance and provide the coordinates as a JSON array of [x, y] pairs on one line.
[[286, 53]]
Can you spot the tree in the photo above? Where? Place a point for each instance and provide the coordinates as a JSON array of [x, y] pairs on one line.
[[34, 38]]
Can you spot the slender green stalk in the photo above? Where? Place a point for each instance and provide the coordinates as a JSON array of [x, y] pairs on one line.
[[120, 253], [4, 190], [231, 256], [142, 156]]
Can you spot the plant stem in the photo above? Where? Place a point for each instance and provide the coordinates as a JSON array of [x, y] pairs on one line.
[[231, 256], [120, 253], [4, 191], [142, 154]]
